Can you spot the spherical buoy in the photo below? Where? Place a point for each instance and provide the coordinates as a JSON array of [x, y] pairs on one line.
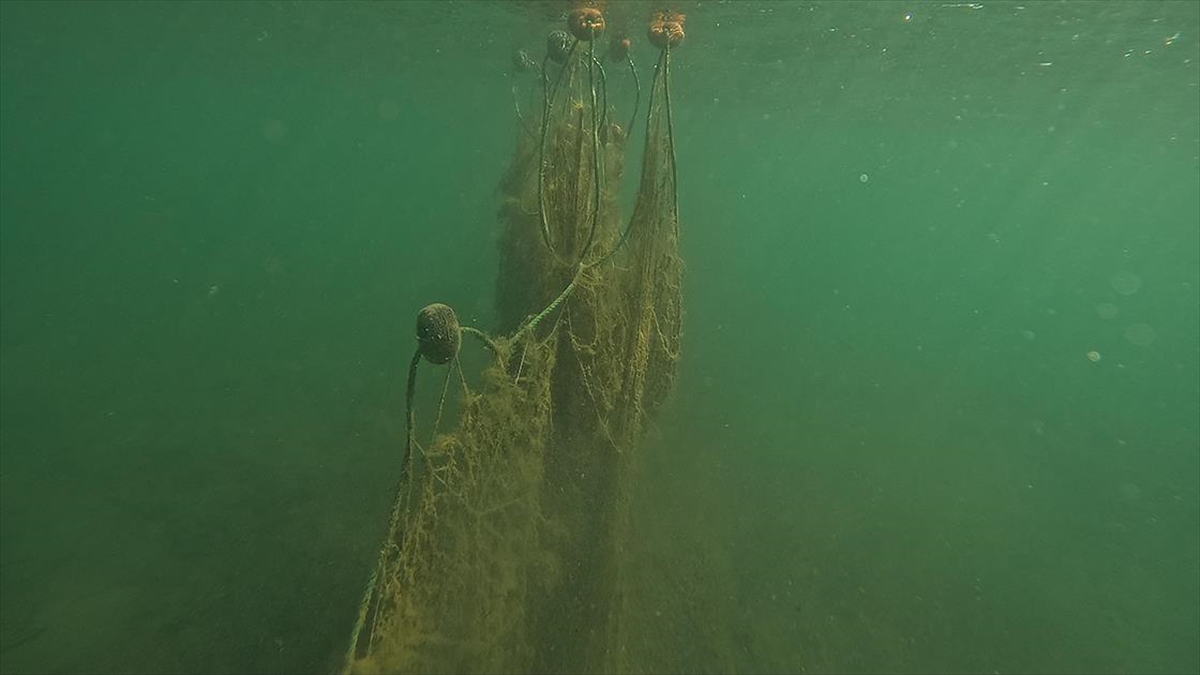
[[618, 51], [438, 334], [586, 23], [558, 43], [666, 29]]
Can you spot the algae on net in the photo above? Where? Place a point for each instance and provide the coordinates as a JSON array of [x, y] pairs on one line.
[[504, 548]]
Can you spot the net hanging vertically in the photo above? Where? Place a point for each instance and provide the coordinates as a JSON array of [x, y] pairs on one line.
[[503, 548]]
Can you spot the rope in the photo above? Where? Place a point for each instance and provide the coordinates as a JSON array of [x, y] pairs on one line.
[[671, 135], [482, 337], [547, 106], [658, 68], [369, 608], [637, 96], [587, 247], [549, 308]]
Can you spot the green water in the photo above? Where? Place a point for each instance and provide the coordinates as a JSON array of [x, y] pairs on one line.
[[906, 225]]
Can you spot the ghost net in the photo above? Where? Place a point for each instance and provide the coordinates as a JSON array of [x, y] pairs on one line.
[[503, 549]]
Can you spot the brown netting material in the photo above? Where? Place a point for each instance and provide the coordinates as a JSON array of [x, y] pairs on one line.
[[504, 552]]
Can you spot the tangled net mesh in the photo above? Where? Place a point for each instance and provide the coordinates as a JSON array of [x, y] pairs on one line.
[[504, 549]]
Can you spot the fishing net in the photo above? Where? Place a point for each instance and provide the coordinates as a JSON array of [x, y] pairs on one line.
[[504, 546]]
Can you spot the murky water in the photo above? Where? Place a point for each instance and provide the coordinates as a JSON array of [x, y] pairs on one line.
[[907, 227]]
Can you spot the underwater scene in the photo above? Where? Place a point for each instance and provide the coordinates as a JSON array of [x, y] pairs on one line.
[[625, 336]]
